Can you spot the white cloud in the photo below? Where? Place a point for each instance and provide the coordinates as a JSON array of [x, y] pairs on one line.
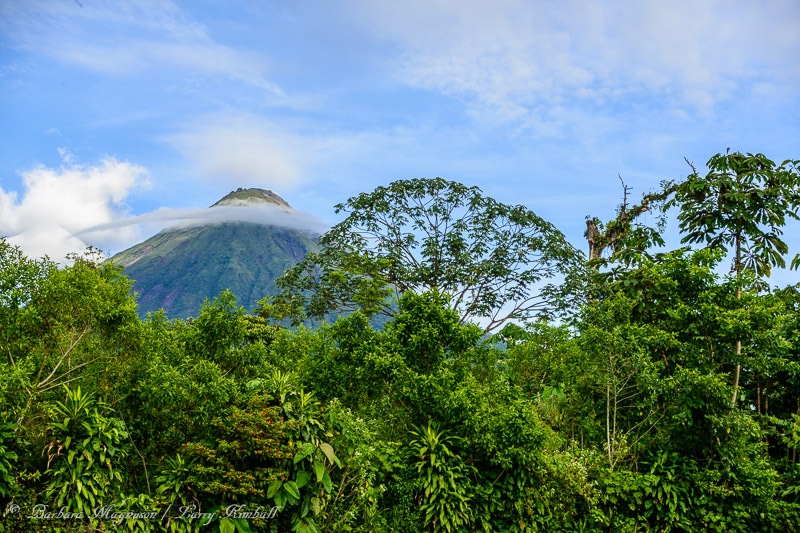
[[59, 203], [242, 151], [66, 156], [519, 59], [266, 214], [129, 38]]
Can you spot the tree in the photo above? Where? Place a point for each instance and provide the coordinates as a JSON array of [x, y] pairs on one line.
[[742, 202], [85, 456], [59, 326], [623, 235], [492, 260]]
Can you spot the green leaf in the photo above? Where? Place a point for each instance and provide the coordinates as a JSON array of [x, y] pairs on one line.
[[241, 525], [306, 450], [280, 499], [315, 505], [274, 487], [327, 449], [302, 478], [319, 470], [227, 525], [292, 489]]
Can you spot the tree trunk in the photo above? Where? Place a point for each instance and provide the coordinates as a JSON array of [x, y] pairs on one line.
[[608, 425], [736, 373], [757, 378], [737, 265], [593, 236]]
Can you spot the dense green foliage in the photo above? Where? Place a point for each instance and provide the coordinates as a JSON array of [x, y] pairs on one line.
[[616, 420], [742, 202], [491, 261]]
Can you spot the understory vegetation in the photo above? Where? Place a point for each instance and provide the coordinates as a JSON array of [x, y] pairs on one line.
[[638, 392]]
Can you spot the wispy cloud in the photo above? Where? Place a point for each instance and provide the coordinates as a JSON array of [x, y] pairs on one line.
[[521, 61], [242, 151], [266, 215], [128, 38]]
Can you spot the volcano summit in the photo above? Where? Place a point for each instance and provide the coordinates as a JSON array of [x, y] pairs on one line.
[[244, 242]]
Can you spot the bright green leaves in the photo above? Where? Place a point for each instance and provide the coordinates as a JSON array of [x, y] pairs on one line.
[[83, 460], [306, 450], [174, 481], [303, 483], [233, 525], [310, 488], [618, 420], [491, 260], [426, 331], [742, 204], [319, 470], [321, 458], [57, 326], [444, 481], [657, 352], [292, 489], [220, 325], [8, 460]]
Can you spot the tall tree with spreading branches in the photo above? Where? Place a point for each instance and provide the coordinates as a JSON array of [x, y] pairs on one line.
[[494, 262], [741, 205]]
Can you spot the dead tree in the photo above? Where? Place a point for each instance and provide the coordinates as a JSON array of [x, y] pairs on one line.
[[612, 236]]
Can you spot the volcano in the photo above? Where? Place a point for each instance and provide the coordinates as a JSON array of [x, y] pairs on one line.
[[180, 267]]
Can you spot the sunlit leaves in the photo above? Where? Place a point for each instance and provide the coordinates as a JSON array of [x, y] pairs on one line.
[[443, 480], [741, 205], [492, 261]]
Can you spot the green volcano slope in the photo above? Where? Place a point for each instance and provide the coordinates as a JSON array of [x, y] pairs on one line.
[[177, 269]]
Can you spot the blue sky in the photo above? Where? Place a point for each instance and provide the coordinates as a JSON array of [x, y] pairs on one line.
[[115, 110]]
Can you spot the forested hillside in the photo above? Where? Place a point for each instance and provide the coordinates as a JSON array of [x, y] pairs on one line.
[[513, 386], [179, 268]]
